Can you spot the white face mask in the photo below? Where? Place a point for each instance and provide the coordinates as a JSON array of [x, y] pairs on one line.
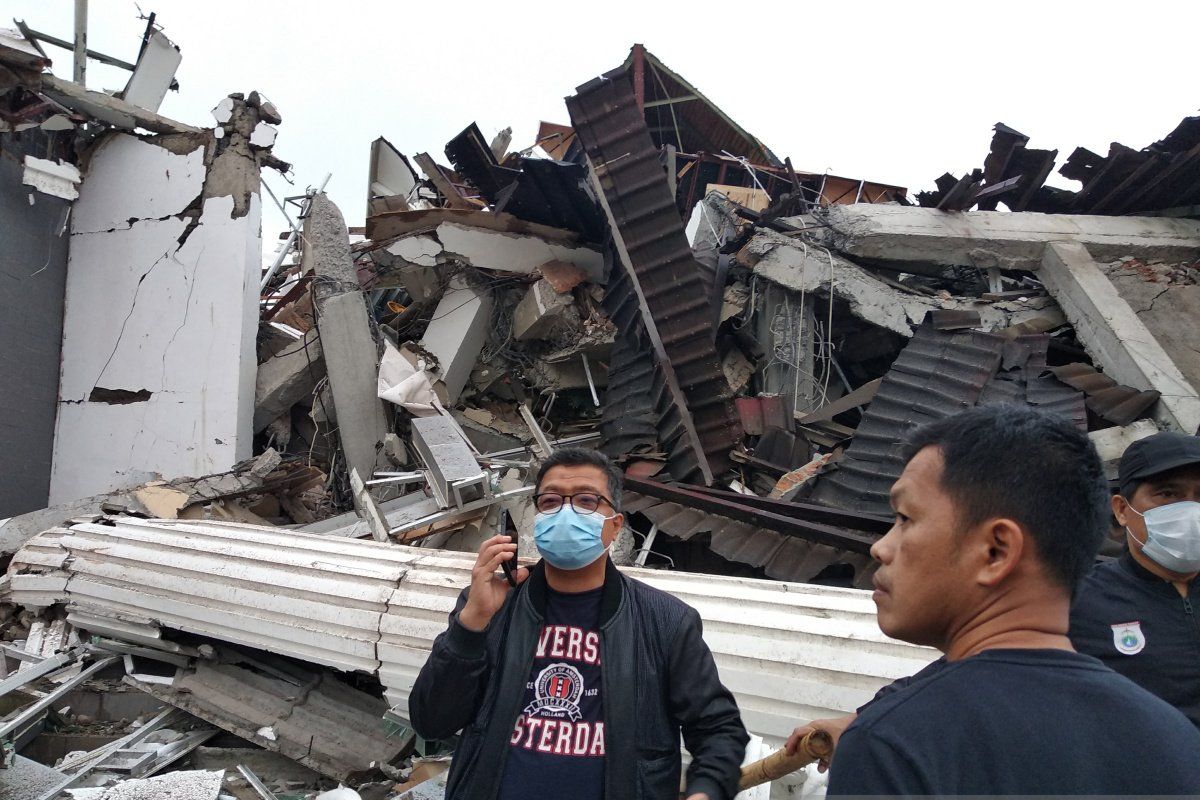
[[1173, 536]]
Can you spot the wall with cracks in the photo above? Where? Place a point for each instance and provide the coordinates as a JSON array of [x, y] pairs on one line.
[[158, 360]]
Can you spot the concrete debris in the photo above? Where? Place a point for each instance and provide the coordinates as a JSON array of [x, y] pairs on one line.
[[260, 503], [184, 785]]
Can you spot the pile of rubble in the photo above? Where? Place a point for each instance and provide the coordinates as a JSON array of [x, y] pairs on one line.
[[750, 342]]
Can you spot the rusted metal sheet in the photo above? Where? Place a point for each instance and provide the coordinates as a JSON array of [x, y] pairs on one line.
[[1106, 398], [671, 293], [762, 518], [781, 556]]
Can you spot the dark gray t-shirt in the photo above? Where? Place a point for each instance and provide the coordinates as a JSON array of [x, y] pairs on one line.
[[1018, 722]]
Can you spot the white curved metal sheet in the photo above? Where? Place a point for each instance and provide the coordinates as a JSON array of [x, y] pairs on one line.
[[789, 652]]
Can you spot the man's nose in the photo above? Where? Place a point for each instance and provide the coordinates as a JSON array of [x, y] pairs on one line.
[[881, 551]]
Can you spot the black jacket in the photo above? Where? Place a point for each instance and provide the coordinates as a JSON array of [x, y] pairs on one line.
[[658, 677], [1140, 626]]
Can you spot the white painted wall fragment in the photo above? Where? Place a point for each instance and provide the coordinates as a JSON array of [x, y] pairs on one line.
[[55, 178], [154, 72], [128, 178]]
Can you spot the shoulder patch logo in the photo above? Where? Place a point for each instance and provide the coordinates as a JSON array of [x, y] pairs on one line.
[[1128, 637]]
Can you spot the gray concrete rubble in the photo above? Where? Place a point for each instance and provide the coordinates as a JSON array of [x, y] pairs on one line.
[[1115, 335], [286, 378], [984, 239], [242, 485]]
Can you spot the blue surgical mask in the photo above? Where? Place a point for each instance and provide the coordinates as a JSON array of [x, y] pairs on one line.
[[1173, 536], [568, 539]]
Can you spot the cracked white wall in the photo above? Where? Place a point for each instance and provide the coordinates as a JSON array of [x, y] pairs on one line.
[[162, 314]]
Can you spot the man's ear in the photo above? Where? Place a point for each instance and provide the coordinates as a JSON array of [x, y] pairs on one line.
[[1120, 509], [1001, 544], [612, 527]]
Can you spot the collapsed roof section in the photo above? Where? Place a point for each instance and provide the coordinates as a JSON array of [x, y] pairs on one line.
[[1161, 179]]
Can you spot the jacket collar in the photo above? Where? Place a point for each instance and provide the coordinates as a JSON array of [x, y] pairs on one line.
[[1156, 582], [610, 601]]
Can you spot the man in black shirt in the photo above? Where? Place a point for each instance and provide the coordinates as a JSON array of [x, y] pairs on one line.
[[1140, 613], [578, 682], [999, 513]]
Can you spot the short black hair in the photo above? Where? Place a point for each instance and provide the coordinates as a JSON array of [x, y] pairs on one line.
[[582, 457], [1032, 467]]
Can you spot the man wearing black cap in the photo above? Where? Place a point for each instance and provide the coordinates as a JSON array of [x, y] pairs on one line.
[[1140, 613]]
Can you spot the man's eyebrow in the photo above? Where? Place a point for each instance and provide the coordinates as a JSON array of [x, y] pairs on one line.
[[896, 495]]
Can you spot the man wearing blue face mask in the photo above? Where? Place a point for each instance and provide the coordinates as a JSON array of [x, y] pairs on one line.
[[1140, 613], [578, 682]]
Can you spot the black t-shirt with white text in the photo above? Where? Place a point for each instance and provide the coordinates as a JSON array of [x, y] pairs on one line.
[[557, 745]]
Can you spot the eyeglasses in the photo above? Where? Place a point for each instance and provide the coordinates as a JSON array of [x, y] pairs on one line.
[[582, 502]]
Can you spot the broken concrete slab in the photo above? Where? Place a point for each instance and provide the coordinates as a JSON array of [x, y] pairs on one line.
[[388, 225], [1111, 442], [457, 332], [516, 253], [347, 343], [181, 785], [540, 312], [307, 715], [986, 239], [109, 109], [287, 378], [1114, 336], [454, 244], [454, 473], [810, 269], [1166, 298]]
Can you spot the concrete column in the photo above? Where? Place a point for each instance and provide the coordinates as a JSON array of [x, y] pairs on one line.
[[1114, 335], [346, 340]]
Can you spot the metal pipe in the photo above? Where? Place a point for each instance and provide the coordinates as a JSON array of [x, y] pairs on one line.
[[646, 545], [260, 789], [287, 246], [81, 51], [587, 369]]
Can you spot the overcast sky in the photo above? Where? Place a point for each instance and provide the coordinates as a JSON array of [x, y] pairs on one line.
[[897, 92]]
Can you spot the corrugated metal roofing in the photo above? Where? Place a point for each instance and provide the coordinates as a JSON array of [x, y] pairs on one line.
[[937, 374], [672, 295], [790, 652], [782, 557]]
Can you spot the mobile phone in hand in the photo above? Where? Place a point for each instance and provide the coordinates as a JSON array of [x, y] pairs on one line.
[[509, 567]]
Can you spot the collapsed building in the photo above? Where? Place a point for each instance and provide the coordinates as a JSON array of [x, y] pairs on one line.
[[248, 496]]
